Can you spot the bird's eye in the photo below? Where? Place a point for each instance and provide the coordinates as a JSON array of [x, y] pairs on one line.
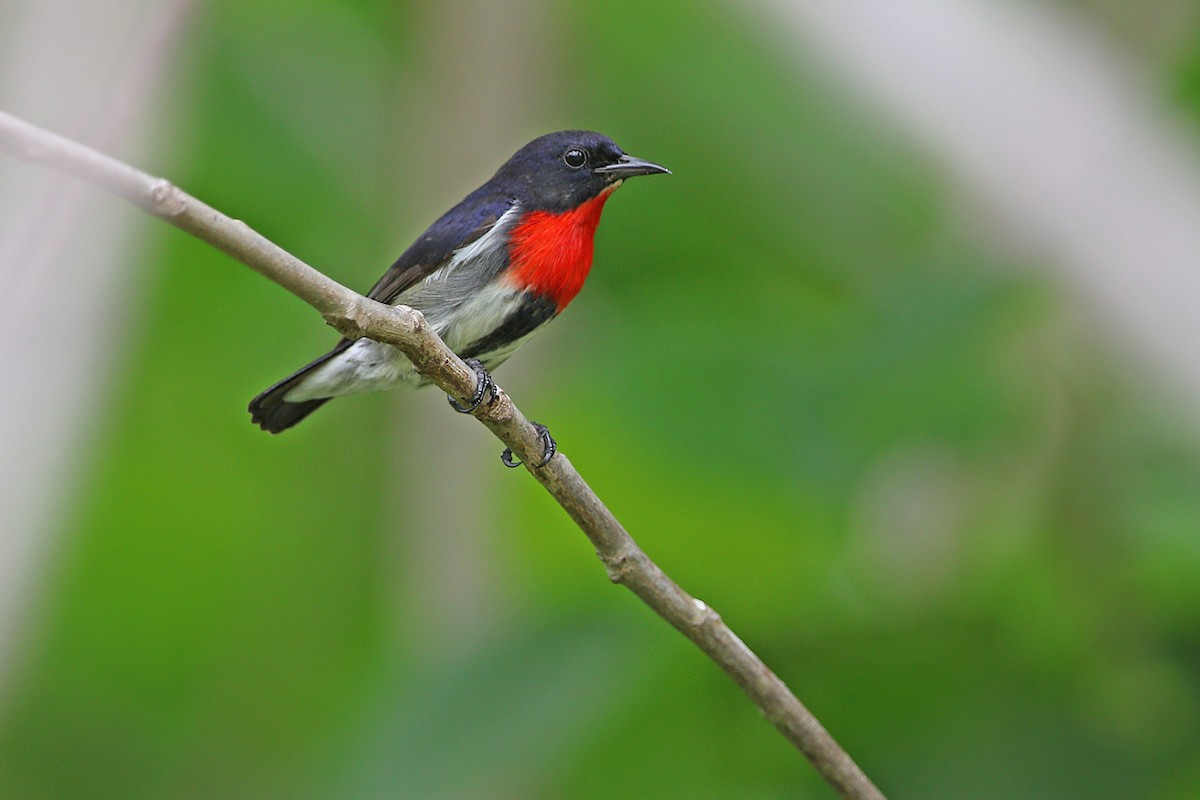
[[575, 158]]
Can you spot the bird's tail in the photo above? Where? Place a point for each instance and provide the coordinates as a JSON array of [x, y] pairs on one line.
[[270, 411]]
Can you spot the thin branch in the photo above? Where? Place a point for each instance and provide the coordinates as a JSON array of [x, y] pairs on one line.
[[354, 315]]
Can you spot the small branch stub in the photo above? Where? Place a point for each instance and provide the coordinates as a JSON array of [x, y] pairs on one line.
[[166, 200]]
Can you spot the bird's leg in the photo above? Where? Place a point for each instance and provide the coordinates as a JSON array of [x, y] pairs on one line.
[[483, 385], [549, 448]]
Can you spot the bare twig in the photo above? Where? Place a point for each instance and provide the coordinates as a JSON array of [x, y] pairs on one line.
[[354, 315]]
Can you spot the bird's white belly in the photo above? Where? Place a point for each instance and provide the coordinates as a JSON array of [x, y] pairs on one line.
[[477, 316], [365, 366], [368, 366]]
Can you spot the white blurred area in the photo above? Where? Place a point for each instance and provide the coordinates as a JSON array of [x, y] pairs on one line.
[[1046, 126], [89, 71]]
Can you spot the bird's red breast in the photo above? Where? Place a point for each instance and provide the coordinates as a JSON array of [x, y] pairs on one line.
[[551, 254]]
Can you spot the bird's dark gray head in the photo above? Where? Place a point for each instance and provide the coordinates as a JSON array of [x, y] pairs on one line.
[[559, 171]]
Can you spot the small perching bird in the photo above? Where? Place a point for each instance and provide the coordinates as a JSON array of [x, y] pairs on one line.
[[487, 274]]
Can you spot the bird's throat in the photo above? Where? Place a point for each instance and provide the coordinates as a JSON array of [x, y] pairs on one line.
[[551, 254]]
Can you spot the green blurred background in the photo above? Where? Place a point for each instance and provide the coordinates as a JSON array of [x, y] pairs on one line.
[[907, 463]]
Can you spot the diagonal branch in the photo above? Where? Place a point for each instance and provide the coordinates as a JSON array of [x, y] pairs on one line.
[[354, 315]]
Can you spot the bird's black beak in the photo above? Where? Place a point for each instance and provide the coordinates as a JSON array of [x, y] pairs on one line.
[[627, 166]]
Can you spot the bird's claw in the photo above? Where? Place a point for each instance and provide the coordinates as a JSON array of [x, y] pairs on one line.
[[549, 448], [483, 385]]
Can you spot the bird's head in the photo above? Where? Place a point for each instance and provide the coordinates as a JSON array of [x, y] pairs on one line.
[[560, 171]]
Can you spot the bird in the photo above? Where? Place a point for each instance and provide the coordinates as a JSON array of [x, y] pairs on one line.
[[510, 257]]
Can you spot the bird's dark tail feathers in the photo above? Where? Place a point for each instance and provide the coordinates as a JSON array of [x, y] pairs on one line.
[[274, 414]]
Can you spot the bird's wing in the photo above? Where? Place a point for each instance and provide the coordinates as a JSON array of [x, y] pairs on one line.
[[467, 222]]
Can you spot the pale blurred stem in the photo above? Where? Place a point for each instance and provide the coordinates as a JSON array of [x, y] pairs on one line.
[[354, 315]]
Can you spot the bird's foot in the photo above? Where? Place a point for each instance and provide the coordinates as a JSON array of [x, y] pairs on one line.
[[483, 385], [549, 448]]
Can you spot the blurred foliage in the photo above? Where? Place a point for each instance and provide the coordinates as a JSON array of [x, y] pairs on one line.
[[905, 469]]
